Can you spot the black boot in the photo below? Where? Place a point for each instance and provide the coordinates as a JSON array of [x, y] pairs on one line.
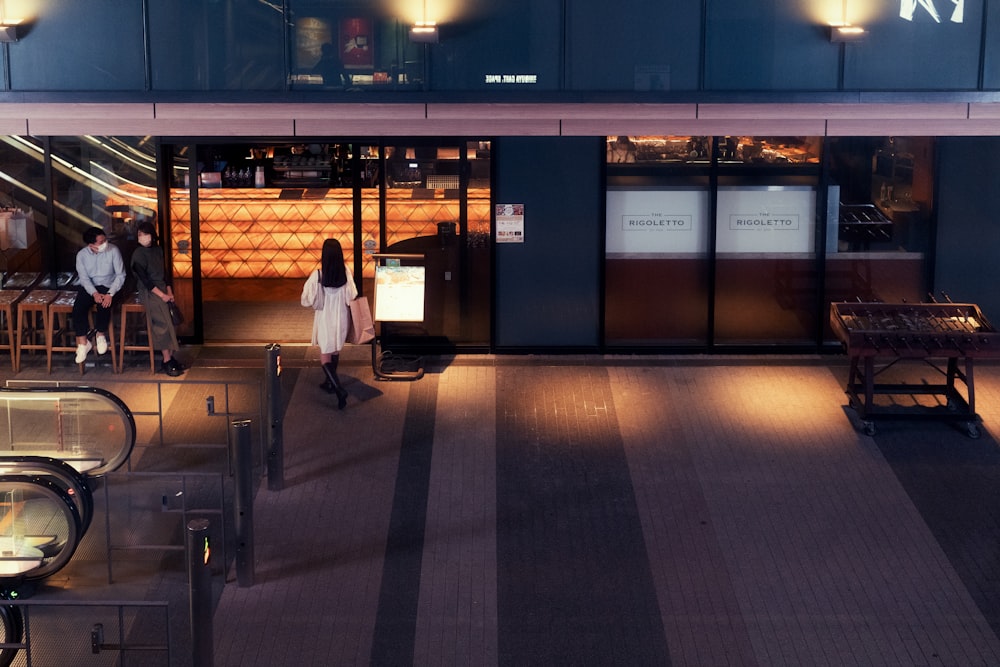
[[325, 385], [331, 376]]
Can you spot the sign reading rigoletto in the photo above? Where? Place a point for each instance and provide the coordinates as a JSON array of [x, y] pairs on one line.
[[764, 221], [656, 221], [769, 219]]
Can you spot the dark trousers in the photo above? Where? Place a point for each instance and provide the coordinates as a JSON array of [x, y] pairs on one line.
[[81, 308]]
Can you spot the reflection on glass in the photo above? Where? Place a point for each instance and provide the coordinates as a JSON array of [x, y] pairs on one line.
[[16, 555], [656, 275], [340, 48], [24, 200], [768, 150], [39, 528], [765, 272], [884, 191], [89, 429], [654, 149]]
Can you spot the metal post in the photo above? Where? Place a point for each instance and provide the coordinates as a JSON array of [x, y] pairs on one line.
[[243, 505], [275, 448], [200, 592]]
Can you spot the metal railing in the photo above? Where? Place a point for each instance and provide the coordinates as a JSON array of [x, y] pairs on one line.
[[223, 410], [54, 631], [178, 504]]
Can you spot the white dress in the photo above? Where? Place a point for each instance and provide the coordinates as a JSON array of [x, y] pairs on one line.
[[330, 324]]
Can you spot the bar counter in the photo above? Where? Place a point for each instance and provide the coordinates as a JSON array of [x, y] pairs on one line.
[[279, 232]]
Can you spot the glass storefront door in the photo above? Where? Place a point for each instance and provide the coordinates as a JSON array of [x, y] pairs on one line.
[[657, 242], [245, 242], [656, 270], [765, 272], [437, 204], [711, 242]]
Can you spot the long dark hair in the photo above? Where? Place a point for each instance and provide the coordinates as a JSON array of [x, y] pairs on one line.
[[147, 228], [332, 264]]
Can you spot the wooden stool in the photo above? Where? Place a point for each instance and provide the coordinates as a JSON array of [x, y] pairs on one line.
[[8, 300], [33, 306], [129, 335], [61, 325], [61, 329]]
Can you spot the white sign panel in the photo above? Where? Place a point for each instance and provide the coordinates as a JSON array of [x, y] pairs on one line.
[[510, 223], [399, 293], [766, 219], [657, 221]]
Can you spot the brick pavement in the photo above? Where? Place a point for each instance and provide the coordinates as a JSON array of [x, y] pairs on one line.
[[738, 516], [681, 511]]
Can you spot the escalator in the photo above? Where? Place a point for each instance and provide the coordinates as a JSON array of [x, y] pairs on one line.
[[54, 442]]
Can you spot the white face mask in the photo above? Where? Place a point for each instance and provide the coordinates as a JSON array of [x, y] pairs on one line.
[[102, 247]]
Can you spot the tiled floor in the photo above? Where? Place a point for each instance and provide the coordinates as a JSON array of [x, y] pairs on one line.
[[519, 513], [617, 511]]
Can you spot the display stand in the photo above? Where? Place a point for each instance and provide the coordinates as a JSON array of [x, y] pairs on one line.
[[957, 333], [399, 297]]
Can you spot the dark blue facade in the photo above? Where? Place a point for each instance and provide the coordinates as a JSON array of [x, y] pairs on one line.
[[632, 45], [548, 291]]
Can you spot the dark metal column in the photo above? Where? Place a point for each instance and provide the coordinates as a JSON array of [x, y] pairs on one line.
[[243, 503], [200, 592], [275, 445]]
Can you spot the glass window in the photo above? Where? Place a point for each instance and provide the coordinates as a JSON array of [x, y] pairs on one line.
[[107, 182], [348, 47], [765, 264], [658, 150], [656, 268], [761, 151], [878, 225], [663, 244], [437, 208], [23, 243]]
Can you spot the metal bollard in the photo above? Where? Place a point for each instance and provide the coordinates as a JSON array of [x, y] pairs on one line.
[[275, 448], [200, 593], [243, 503]]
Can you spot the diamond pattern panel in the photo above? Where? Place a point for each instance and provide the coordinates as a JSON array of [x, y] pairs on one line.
[[252, 233]]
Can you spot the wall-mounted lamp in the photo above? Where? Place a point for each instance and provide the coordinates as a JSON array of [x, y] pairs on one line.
[[846, 33], [842, 30], [424, 32], [8, 28]]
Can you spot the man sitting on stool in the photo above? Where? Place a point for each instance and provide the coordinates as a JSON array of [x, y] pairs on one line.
[[102, 274]]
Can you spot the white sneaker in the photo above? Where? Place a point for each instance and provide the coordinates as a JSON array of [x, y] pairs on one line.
[[82, 351], [102, 344]]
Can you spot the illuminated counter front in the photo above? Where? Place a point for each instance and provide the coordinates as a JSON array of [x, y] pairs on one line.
[[256, 233]]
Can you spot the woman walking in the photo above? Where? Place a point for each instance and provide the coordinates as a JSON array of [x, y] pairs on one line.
[[331, 323], [155, 293]]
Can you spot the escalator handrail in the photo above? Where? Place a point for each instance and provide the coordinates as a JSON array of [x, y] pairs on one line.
[[73, 479], [75, 535], [128, 419]]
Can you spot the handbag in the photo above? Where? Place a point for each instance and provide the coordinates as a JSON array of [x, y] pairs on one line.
[[362, 328], [176, 316], [312, 294]]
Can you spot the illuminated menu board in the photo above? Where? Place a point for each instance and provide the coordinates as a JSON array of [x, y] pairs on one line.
[[399, 293]]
